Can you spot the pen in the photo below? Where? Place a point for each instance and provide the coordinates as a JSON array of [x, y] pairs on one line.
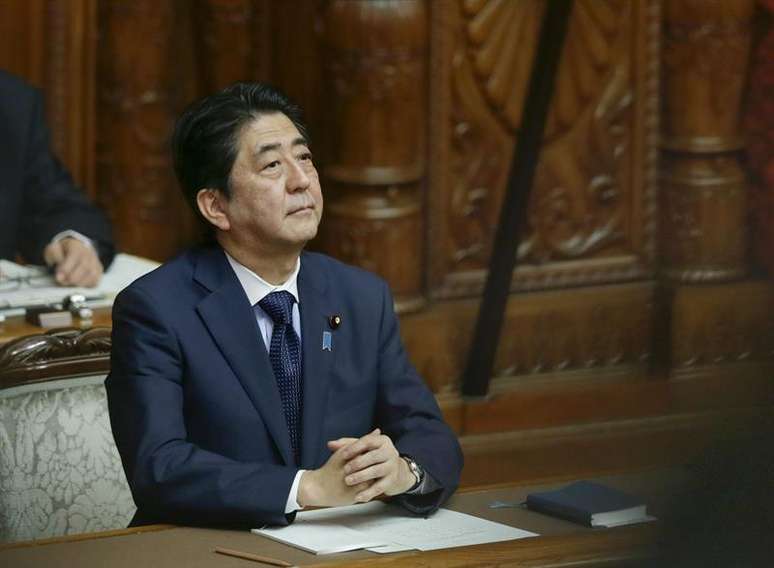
[[250, 556]]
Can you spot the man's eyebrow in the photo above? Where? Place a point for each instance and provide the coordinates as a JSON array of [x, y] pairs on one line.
[[300, 141]]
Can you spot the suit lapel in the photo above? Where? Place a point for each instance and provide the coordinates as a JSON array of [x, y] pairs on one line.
[[315, 306], [230, 319]]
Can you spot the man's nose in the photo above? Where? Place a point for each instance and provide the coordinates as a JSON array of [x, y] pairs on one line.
[[298, 179]]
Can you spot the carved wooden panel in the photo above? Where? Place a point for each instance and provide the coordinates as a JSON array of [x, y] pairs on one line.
[[376, 79], [224, 32], [592, 215], [587, 333], [704, 190], [722, 324], [142, 88]]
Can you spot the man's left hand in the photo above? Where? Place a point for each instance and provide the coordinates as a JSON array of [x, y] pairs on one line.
[[374, 457], [76, 263]]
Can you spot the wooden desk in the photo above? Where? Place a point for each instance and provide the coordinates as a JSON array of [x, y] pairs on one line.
[[17, 326], [560, 544]]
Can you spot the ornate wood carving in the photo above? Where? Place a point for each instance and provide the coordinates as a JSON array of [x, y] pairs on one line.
[[376, 69], [705, 57], [591, 214], [58, 353], [143, 85], [722, 324], [590, 332]]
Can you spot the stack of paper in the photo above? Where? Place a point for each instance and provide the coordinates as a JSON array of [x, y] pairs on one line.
[[26, 286], [379, 527]]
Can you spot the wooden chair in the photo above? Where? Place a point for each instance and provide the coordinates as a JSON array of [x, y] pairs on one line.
[[60, 472]]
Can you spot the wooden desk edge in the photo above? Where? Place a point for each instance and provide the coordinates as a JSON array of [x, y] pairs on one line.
[[85, 536]]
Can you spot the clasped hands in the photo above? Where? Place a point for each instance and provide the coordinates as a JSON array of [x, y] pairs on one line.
[[359, 470]]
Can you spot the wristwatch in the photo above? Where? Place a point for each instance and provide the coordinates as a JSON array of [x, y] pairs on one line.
[[418, 472]]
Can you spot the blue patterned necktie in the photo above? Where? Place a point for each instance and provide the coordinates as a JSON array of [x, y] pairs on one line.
[[285, 357]]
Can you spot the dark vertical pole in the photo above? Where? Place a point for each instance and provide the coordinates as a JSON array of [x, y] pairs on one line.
[[513, 216]]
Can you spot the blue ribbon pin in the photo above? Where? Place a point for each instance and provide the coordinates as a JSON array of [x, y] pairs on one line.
[[327, 341]]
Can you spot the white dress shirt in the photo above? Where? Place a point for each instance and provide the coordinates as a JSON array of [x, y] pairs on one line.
[[257, 289]]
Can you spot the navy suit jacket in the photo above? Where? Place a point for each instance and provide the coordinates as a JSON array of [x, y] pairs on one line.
[[196, 411], [38, 195]]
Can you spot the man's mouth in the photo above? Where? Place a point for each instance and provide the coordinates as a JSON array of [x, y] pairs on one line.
[[301, 209]]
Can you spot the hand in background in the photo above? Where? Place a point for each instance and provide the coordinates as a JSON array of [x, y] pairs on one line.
[[325, 487], [77, 264], [374, 460]]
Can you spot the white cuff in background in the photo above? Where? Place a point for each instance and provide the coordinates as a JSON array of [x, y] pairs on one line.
[[75, 235], [292, 502]]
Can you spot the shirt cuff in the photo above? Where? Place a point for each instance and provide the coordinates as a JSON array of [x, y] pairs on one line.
[[292, 502], [69, 233]]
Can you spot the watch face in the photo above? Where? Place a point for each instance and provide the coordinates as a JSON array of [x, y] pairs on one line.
[[416, 470]]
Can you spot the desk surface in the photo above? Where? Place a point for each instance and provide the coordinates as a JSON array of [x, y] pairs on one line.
[[17, 326], [561, 543]]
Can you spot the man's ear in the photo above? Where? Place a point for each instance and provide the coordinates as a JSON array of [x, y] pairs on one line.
[[211, 203]]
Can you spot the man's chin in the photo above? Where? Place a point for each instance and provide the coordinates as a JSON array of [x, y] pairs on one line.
[[300, 238]]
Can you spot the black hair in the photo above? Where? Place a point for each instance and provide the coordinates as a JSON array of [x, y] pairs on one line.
[[205, 139]]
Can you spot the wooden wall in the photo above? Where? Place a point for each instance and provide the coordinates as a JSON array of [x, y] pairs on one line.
[[636, 299]]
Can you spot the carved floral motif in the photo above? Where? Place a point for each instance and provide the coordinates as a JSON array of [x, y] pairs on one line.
[[502, 37], [581, 188]]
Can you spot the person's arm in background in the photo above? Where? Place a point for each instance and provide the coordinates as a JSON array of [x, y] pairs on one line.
[[53, 204]]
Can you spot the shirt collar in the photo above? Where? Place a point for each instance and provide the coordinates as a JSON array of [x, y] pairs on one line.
[[256, 287]]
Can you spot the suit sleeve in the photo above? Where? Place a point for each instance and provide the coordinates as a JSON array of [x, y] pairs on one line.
[[172, 479], [408, 412], [52, 203]]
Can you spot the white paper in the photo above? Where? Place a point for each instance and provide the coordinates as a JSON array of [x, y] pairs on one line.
[[319, 537], [389, 548], [39, 288], [396, 528]]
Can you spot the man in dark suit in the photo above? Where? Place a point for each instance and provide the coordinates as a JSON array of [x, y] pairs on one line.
[[45, 218], [250, 379]]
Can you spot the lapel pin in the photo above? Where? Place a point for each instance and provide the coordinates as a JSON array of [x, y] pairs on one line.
[[327, 341], [334, 321]]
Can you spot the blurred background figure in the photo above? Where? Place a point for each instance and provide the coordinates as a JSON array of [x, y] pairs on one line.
[[45, 218], [726, 517]]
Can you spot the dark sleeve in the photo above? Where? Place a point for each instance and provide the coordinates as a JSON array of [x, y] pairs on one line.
[[171, 478], [408, 412], [52, 202]]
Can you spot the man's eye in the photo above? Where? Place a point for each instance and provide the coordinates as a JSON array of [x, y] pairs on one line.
[[306, 157], [271, 165]]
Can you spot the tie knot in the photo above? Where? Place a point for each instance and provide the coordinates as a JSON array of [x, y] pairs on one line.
[[279, 306]]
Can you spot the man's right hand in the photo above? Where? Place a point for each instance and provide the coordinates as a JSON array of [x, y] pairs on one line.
[[75, 262], [325, 487]]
